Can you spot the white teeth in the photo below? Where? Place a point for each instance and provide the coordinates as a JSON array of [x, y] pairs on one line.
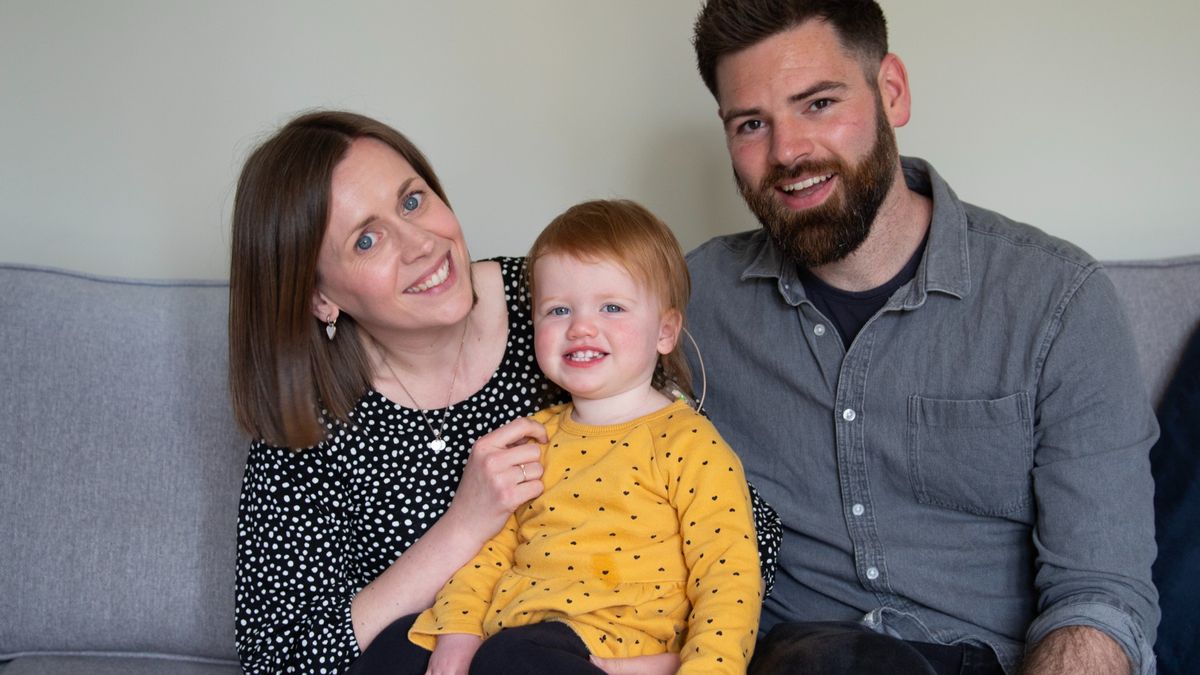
[[584, 355], [434, 279], [804, 184]]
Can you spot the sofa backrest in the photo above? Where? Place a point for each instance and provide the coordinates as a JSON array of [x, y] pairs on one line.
[[120, 466], [120, 463], [1162, 301]]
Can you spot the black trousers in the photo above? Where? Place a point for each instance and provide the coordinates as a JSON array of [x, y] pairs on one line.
[[845, 648], [549, 648]]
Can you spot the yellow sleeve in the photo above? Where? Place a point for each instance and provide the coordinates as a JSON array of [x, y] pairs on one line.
[[716, 523], [463, 602]]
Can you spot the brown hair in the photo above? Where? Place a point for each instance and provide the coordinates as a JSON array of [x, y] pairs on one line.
[[282, 368], [725, 27], [628, 234]]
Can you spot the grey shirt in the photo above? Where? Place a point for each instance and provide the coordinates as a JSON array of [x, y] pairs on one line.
[[975, 467]]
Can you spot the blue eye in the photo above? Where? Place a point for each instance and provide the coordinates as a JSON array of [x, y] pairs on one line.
[[413, 201], [559, 311], [365, 242], [612, 308]]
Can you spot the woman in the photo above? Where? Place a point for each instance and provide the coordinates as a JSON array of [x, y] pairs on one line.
[[388, 377]]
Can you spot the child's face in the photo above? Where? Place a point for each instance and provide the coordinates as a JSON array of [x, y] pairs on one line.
[[597, 332]]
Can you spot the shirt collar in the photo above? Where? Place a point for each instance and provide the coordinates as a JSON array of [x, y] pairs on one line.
[[944, 268]]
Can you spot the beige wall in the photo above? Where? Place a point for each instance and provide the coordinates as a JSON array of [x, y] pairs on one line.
[[123, 123]]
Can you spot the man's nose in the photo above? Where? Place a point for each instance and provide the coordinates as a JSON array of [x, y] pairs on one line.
[[791, 141]]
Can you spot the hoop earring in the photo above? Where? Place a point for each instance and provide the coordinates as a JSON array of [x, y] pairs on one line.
[[703, 375], [331, 327]]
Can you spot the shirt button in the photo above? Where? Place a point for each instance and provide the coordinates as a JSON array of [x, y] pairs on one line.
[[872, 573], [857, 509], [819, 329], [848, 414]]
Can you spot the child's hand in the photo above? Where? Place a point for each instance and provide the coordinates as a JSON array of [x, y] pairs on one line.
[[453, 654]]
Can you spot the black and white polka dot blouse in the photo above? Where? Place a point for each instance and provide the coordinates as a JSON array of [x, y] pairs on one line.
[[315, 527]]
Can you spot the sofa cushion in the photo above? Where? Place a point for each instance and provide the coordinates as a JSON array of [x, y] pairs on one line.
[[121, 467], [115, 665]]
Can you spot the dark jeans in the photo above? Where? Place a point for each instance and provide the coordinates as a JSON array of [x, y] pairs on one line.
[[843, 648], [549, 648]]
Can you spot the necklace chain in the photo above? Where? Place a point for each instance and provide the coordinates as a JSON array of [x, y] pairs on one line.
[[438, 443]]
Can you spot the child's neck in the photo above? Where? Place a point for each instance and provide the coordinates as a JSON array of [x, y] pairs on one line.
[[618, 409]]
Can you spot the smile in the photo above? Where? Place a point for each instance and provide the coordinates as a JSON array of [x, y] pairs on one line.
[[805, 184], [585, 355], [438, 277]]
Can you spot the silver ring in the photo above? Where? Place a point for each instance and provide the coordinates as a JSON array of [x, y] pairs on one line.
[[524, 476]]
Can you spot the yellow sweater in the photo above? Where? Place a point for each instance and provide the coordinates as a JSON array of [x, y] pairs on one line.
[[642, 542]]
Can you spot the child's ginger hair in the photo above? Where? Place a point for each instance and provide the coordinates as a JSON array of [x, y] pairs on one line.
[[628, 234]]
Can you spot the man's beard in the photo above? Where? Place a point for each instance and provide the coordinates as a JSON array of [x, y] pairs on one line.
[[833, 230]]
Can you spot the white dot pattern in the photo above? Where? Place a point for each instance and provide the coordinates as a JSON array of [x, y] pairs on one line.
[[316, 526]]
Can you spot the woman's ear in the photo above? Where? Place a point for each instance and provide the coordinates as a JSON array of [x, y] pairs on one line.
[[668, 330], [323, 308]]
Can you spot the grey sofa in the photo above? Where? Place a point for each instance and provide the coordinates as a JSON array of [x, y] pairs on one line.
[[120, 463]]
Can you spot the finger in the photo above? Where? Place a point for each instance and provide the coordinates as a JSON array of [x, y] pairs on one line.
[[530, 471], [520, 431], [523, 492], [523, 429]]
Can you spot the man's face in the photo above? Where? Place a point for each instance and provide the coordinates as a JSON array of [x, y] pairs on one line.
[[813, 152]]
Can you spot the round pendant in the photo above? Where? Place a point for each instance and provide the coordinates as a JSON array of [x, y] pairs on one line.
[[437, 445]]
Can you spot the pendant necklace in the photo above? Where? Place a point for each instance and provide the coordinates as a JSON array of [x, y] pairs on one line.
[[438, 443]]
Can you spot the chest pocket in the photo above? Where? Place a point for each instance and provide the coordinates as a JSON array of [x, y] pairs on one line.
[[972, 456]]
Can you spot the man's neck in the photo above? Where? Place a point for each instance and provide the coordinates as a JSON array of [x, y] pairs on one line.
[[898, 230]]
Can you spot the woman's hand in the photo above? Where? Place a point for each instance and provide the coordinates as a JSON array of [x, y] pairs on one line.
[[453, 654], [502, 473], [658, 664]]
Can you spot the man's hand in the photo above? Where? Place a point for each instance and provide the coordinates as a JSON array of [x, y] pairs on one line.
[[658, 664], [1077, 649], [453, 654]]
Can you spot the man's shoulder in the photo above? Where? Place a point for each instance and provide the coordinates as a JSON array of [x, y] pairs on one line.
[[994, 233]]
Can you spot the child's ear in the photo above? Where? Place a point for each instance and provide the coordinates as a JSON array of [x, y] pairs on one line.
[[668, 330]]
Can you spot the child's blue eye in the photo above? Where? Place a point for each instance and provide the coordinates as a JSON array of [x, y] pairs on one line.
[[413, 201], [365, 242], [612, 308], [559, 311]]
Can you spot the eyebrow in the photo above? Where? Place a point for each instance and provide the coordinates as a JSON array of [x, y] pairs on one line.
[[819, 88], [399, 196]]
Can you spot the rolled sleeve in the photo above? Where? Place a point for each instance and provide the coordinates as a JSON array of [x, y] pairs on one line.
[[1097, 612]]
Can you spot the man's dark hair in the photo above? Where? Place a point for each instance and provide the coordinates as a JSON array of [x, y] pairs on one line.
[[725, 27]]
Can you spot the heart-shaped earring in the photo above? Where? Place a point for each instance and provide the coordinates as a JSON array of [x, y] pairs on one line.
[[331, 328]]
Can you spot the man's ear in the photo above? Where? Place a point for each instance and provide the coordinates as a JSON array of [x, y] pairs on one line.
[[668, 330], [893, 90], [323, 308]]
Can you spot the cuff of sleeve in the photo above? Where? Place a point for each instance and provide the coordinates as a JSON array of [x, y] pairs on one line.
[[1103, 616], [427, 627]]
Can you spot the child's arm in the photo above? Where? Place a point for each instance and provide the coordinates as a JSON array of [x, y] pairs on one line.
[[717, 527], [461, 604], [453, 654]]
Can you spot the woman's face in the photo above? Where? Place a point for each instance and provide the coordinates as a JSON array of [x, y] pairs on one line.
[[393, 256]]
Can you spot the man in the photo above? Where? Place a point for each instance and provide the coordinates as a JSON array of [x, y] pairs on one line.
[[942, 404]]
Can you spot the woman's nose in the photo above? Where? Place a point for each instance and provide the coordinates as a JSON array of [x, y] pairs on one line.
[[415, 242]]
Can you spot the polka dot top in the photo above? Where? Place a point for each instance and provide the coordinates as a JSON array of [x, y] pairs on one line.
[[316, 526]]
